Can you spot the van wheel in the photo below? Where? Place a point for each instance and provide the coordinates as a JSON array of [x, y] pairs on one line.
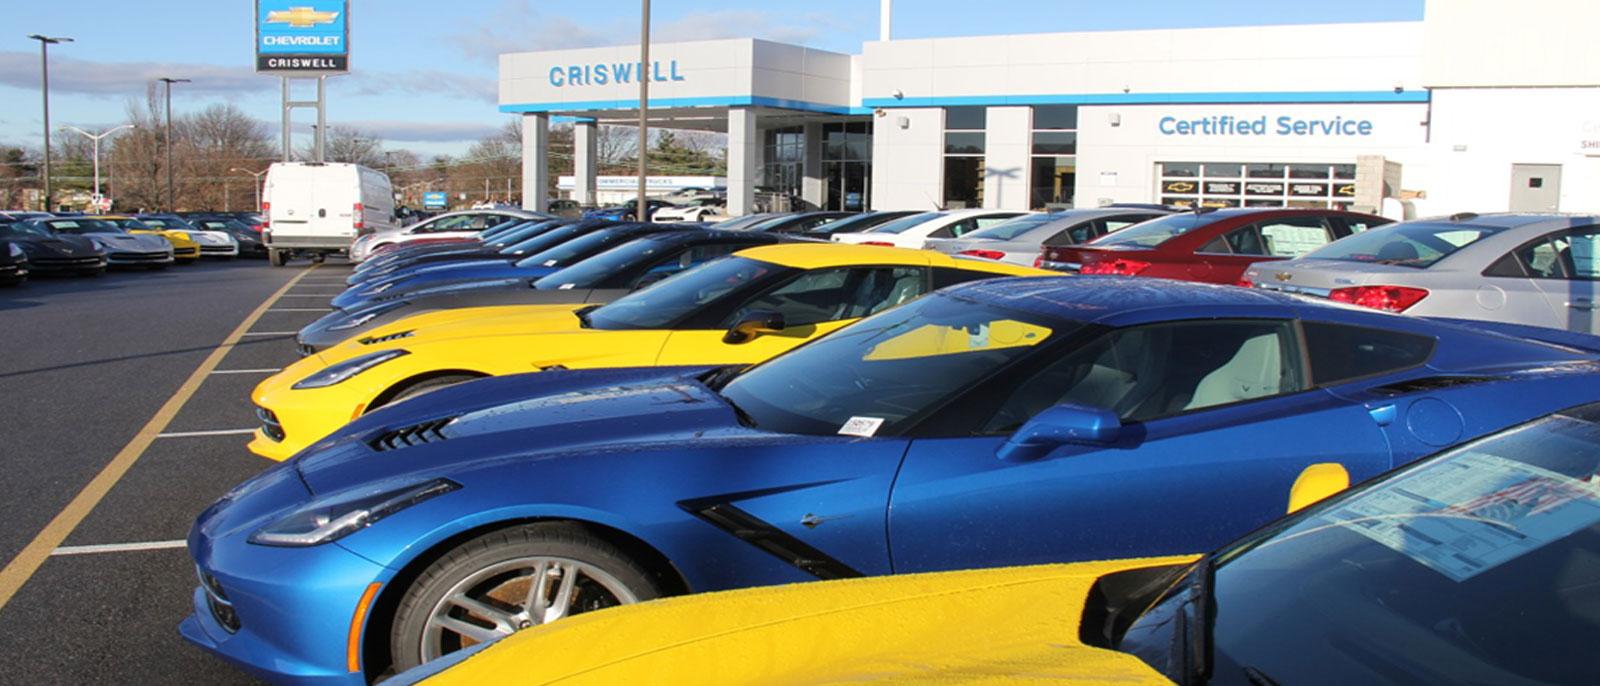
[[278, 258], [318, 258]]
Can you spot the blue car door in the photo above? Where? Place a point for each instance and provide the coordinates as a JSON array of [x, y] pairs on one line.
[[1220, 418]]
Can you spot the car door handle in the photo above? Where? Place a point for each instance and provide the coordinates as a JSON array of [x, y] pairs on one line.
[[1582, 304]]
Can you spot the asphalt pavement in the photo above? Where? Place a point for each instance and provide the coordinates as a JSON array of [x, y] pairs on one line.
[[85, 365]]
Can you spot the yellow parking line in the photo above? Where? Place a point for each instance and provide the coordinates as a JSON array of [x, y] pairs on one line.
[[26, 563]]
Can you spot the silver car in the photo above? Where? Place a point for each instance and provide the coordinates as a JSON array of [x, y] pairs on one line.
[[1530, 269], [1020, 240]]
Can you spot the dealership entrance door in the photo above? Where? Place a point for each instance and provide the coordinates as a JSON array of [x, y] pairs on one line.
[[1535, 187], [847, 165]]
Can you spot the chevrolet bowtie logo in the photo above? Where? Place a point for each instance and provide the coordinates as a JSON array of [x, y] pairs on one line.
[[301, 17], [1283, 276]]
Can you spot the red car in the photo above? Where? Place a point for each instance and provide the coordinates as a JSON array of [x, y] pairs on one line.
[[1210, 245]]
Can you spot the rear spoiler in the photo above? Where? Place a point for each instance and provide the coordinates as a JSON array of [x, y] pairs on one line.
[[1561, 337]]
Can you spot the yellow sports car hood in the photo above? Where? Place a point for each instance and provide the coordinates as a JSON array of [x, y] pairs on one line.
[[474, 322], [1017, 625]]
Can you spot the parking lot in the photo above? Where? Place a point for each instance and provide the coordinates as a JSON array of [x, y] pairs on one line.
[[127, 412]]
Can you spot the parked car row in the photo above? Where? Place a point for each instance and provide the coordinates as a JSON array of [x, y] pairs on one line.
[[554, 418], [85, 245]]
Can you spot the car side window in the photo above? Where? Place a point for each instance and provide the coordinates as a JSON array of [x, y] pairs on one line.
[[1159, 370], [1073, 235], [982, 223], [1569, 255], [834, 294], [1341, 353], [1292, 236], [455, 223], [956, 229], [685, 259]]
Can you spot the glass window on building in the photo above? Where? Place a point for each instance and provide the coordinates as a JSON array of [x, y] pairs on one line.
[[1256, 184], [847, 165], [964, 148], [1053, 171], [784, 160]]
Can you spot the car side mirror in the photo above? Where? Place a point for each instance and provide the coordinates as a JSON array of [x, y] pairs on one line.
[[1316, 483], [1058, 426], [753, 325]]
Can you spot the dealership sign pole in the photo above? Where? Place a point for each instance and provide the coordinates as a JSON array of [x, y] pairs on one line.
[[303, 39], [644, 108]]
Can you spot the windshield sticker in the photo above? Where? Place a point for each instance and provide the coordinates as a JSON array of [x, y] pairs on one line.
[[550, 263], [1467, 515], [566, 287], [864, 427]]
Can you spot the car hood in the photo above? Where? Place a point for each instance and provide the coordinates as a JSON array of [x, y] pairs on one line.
[[51, 246], [1017, 624], [523, 416], [141, 242]]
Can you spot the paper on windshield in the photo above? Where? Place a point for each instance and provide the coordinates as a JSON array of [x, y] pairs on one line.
[[1467, 515], [864, 427]]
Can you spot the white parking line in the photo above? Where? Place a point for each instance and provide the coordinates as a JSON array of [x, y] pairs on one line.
[[246, 371], [201, 434], [272, 333], [301, 309], [117, 547], [313, 295]]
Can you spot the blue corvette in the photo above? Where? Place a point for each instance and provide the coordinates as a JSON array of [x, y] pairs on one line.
[[564, 251], [546, 234], [1003, 422]]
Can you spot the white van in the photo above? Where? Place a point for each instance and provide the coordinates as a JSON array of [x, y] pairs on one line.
[[319, 209]]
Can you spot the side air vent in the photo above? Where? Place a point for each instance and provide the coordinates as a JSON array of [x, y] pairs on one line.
[[1431, 383], [371, 340], [746, 527], [416, 434]]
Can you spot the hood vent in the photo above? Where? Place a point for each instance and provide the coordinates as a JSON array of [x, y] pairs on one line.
[[373, 340], [416, 434], [1432, 383]]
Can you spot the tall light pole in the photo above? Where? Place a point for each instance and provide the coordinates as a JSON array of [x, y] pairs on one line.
[[256, 182], [44, 79], [96, 137], [172, 204], [644, 106]]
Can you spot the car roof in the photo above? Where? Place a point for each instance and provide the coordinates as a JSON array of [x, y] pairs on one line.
[[822, 255]]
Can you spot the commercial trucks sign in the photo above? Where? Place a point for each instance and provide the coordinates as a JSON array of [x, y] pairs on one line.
[[302, 37]]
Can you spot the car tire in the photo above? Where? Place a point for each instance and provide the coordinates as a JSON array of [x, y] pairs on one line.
[[425, 387], [496, 571], [278, 258], [319, 258]]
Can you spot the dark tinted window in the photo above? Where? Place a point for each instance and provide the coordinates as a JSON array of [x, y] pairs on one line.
[[968, 118], [833, 294], [945, 276], [1340, 353], [1567, 255], [1148, 372]]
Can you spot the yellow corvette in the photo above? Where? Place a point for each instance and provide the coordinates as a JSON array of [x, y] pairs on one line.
[[184, 248], [740, 310]]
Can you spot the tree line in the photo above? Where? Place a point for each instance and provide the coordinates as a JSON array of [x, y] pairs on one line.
[[213, 148]]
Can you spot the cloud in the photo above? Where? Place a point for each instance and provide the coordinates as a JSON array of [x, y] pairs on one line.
[[517, 26], [70, 75], [426, 82], [418, 132]]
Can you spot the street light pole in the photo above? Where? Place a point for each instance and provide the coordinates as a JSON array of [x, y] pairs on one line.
[[172, 205], [644, 107], [44, 80], [255, 182], [96, 137]]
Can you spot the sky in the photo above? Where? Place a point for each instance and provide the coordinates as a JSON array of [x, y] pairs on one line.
[[423, 72]]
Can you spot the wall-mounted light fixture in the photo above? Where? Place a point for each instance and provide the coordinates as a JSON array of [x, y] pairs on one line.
[[898, 95], [903, 122], [1114, 119]]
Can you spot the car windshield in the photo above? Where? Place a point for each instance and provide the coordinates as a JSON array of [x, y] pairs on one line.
[[902, 224], [1412, 244], [678, 297], [1479, 565], [22, 230], [1010, 229], [577, 248], [546, 240], [129, 224], [738, 223], [82, 226], [860, 222], [160, 224], [593, 272], [884, 373], [1153, 233]]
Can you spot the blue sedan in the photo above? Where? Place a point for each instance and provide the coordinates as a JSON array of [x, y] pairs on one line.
[[563, 251], [1003, 422]]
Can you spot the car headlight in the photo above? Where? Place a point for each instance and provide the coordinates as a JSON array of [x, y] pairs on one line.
[[16, 250], [181, 235], [342, 371], [322, 522]]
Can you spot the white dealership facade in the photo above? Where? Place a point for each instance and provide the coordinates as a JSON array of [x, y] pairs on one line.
[[1480, 106]]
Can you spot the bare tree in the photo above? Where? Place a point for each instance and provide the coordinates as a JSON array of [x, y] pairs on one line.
[[348, 144]]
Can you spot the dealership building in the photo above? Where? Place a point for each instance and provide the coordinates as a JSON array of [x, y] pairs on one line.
[[1482, 105]]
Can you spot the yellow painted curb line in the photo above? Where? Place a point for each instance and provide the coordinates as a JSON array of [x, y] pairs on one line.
[[26, 563]]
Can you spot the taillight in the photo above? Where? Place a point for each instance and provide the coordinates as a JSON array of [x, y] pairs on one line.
[[1117, 267], [361, 221], [1038, 262], [1245, 283], [985, 254], [258, 227], [887, 245], [266, 214], [1386, 298]]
